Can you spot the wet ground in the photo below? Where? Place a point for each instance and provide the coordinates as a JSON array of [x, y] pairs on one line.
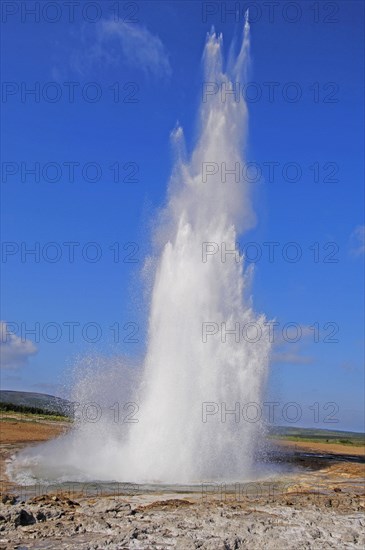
[[308, 498]]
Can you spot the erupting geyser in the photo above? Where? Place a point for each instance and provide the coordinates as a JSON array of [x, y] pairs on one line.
[[183, 370]]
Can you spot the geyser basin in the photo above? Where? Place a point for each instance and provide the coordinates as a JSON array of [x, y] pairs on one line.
[[169, 440]]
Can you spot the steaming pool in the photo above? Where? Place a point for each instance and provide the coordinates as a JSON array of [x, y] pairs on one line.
[[275, 476]]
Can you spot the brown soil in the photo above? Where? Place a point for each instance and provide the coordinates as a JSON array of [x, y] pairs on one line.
[[17, 432], [319, 447], [14, 431]]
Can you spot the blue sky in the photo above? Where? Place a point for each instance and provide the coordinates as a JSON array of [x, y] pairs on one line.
[[133, 79]]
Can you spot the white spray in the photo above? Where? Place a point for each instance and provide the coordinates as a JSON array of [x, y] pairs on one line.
[[189, 379]]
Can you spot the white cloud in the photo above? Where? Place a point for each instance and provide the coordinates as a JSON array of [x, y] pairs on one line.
[[288, 344], [348, 366], [116, 42], [357, 241], [293, 358], [290, 333], [14, 351], [139, 46]]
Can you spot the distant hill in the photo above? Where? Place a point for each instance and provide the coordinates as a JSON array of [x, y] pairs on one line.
[[317, 434], [39, 401], [56, 405]]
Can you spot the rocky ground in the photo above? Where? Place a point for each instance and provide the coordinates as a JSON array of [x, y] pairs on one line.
[[318, 505], [290, 522]]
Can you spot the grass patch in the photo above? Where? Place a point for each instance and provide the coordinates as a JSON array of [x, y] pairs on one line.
[[316, 439], [316, 435], [22, 412]]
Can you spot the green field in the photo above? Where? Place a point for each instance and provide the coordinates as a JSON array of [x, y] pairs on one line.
[[27, 405], [317, 435]]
